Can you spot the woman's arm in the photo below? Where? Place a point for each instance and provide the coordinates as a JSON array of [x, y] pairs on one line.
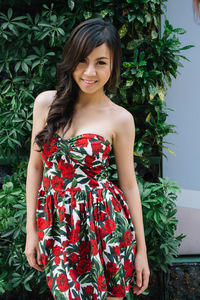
[[33, 180], [123, 146], [35, 164]]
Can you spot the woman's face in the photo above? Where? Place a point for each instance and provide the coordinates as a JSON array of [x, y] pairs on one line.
[[92, 73]]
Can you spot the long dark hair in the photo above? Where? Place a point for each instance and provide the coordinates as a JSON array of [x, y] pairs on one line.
[[83, 39]]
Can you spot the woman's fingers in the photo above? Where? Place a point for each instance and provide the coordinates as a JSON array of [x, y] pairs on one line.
[[145, 281], [32, 261], [39, 257], [139, 278]]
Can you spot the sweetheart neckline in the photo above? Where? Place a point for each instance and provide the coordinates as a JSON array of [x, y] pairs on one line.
[[83, 134]]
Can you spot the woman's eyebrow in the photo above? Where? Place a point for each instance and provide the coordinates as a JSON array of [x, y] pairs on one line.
[[103, 57]]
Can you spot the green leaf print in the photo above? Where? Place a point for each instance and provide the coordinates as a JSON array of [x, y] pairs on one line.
[[59, 295]]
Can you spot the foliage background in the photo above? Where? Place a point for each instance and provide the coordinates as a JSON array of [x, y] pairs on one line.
[[32, 36]]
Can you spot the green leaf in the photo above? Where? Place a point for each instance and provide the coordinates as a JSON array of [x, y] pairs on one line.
[[179, 30], [25, 67], [71, 4], [154, 34], [10, 12]]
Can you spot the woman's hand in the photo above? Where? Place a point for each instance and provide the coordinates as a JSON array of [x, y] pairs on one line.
[[142, 272], [32, 248]]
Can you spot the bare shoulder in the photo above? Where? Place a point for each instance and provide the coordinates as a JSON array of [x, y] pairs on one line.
[[45, 98], [122, 119], [43, 102]]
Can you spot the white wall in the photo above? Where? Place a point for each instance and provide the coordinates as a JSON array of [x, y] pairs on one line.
[[184, 98]]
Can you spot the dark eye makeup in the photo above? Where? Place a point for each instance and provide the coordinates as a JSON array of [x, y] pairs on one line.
[[100, 62]]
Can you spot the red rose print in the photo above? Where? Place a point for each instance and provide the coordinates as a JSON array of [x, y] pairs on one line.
[[106, 151], [57, 260], [107, 208], [134, 248], [98, 215], [55, 198], [102, 283], [89, 290], [49, 218], [69, 220], [65, 256], [49, 281], [82, 209], [94, 297], [100, 232], [62, 282], [56, 250], [48, 204], [53, 140], [39, 206], [128, 237], [45, 259], [49, 243], [73, 273], [99, 193], [73, 258], [73, 236], [92, 226], [116, 204], [122, 244], [67, 170], [40, 235], [89, 159], [78, 224], [103, 244], [77, 286], [81, 142], [118, 290], [73, 191], [126, 211], [41, 224], [84, 265], [84, 248], [48, 163], [46, 183], [48, 151], [128, 266], [93, 183], [90, 199], [73, 203], [94, 247], [65, 243], [101, 256], [112, 268], [61, 211], [57, 183], [96, 147], [116, 249], [110, 225]]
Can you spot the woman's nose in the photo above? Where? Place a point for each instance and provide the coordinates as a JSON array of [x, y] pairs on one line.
[[90, 70]]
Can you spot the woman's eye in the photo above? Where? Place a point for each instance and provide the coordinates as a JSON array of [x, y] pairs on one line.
[[101, 62], [82, 60]]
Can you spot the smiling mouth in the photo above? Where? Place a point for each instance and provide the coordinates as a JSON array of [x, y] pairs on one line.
[[89, 81]]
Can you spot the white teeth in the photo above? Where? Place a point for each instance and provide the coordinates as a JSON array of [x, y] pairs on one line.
[[87, 81]]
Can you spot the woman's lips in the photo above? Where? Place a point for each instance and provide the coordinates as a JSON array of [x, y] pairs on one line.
[[89, 82]]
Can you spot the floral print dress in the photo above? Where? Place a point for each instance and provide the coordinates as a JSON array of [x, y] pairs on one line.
[[86, 236]]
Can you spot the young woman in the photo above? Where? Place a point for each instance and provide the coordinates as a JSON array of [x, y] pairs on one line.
[[83, 228]]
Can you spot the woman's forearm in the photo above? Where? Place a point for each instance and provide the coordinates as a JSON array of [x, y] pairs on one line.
[[134, 204], [33, 181]]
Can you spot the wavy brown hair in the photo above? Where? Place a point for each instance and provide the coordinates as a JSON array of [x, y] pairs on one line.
[[83, 39]]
